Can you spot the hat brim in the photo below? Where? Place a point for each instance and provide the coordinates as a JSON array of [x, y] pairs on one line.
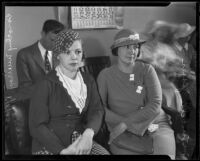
[[185, 34], [127, 42], [155, 27]]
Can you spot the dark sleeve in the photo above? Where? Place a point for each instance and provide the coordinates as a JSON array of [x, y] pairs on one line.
[[139, 121], [39, 117], [95, 111], [24, 79]]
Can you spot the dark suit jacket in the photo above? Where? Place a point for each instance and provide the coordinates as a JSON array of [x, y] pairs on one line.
[[53, 115], [30, 70]]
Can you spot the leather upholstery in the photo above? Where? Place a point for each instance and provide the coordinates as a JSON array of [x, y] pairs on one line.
[[19, 139]]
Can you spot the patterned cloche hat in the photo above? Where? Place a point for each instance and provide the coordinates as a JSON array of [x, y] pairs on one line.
[[126, 37], [64, 40]]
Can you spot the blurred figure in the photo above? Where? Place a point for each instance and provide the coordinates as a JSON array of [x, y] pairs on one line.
[[187, 82], [159, 52], [183, 47], [177, 36], [164, 59], [161, 31], [185, 50], [173, 58]]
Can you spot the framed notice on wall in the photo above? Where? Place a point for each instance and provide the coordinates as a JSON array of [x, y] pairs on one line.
[[93, 17]]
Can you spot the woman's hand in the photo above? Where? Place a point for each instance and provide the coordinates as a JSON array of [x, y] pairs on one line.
[[84, 146], [71, 149], [119, 129]]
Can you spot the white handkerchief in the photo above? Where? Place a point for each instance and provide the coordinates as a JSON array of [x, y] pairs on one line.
[[153, 127]]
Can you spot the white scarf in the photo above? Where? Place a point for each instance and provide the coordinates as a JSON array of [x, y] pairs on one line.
[[76, 88]]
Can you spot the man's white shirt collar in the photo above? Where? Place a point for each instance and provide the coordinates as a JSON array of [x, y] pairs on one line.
[[43, 50]]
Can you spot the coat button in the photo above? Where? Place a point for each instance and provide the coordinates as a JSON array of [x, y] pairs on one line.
[[67, 125]]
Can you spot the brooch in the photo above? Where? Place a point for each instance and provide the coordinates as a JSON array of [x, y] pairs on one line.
[[139, 89], [131, 77]]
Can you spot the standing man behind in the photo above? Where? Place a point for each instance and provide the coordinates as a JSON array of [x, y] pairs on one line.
[[35, 61], [183, 46]]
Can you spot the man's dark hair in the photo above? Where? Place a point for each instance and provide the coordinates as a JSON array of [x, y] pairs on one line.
[[52, 26]]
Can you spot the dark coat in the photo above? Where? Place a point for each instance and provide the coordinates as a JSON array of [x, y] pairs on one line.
[[53, 115], [30, 70]]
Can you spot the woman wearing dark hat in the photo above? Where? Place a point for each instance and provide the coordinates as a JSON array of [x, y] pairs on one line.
[[65, 110], [132, 96], [165, 61]]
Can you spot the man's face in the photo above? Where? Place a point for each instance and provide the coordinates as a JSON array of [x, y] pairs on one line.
[[48, 39], [128, 53]]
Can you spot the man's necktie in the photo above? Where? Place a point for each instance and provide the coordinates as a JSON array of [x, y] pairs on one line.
[[47, 63]]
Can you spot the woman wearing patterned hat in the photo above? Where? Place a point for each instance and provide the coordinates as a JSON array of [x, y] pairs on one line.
[[65, 110], [132, 96]]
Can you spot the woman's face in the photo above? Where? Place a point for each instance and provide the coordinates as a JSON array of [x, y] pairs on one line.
[[128, 54], [71, 59]]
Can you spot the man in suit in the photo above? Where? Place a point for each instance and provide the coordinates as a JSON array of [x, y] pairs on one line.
[[32, 64], [35, 61]]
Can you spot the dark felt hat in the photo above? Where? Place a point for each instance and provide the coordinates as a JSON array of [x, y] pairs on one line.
[[126, 37]]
